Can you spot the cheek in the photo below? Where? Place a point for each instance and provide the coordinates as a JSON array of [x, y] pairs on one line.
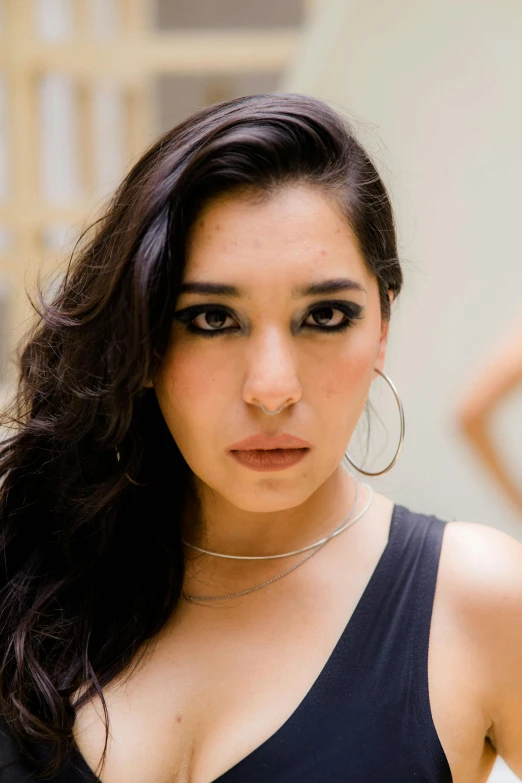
[[194, 389], [347, 376], [188, 379], [344, 384], [184, 378], [182, 388]]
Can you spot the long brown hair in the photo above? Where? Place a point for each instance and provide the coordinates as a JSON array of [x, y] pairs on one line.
[[91, 564]]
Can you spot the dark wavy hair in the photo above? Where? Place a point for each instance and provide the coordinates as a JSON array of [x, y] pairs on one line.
[[93, 484]]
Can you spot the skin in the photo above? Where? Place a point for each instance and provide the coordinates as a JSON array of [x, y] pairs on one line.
[[500, 376], [270, 359], [172, 718]]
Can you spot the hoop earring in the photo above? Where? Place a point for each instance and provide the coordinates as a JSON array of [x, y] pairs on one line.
[[401, 437], [129, 479]]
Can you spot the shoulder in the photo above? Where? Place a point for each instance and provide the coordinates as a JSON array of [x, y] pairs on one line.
[[480, 580], [480, 569], [483, 568]]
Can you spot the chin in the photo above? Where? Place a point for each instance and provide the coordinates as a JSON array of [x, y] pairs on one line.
[[269, 495]]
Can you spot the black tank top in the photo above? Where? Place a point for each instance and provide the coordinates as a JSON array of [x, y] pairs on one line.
[[367, 717]]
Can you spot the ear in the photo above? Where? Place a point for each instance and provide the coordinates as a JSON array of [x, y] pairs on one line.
[[383, 340]]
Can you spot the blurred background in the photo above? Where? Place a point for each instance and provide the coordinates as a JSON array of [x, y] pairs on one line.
[[431, 87]]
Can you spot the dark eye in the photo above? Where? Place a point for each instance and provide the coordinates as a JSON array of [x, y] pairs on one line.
[[327, 317], [212, 320], [333, 316], [207, 320]]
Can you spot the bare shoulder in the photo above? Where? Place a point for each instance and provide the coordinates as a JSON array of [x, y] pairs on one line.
[[481, 584], [482, 567]]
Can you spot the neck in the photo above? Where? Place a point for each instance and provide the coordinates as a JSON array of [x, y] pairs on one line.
[[229, 530]]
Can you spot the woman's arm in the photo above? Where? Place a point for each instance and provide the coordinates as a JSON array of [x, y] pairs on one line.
[[498, 378]]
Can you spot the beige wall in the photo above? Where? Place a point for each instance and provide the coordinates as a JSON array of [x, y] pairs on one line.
[[435, 89]]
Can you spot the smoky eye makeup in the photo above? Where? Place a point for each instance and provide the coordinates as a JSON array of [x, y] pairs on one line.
[[332, 315], [216, 317], [321, 315]]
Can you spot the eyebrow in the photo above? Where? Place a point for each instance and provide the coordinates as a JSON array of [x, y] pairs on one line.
[[324, 287], [330, 287]]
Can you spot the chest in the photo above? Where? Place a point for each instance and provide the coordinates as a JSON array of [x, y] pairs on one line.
[[217, 687], [216, 692]]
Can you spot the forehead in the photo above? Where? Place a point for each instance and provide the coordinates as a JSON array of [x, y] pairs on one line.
[[286, 236]]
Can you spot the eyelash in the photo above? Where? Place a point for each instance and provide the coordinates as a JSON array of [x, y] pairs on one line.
[[351, 312]]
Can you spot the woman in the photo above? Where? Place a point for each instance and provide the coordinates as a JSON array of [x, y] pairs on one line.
[[194, 589]]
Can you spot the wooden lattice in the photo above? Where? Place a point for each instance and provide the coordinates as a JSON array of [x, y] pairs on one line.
[[132, 59]]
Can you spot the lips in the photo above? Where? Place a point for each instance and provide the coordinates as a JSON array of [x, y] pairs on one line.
[[269, 453], [269, 459], [268, 443]]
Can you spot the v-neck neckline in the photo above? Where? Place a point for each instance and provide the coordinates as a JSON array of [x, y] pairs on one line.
[[346, 634]]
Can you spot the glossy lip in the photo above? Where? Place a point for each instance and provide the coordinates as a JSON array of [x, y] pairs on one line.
[[267, 443]]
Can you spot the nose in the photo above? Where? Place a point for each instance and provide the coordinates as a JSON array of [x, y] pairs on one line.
[[271, 382]]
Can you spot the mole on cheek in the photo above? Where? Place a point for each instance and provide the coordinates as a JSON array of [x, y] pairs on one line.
[[178, 718]]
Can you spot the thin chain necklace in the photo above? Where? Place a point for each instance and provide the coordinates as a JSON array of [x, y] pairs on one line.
[[285, 554], [318, 546]]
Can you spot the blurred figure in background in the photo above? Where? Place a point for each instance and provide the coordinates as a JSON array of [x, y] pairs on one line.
[[499, 377]]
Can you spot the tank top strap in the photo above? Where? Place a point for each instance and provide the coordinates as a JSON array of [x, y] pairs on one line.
[[423, 537], [402, 587], [396, 641], [415, 546], [399, 596]]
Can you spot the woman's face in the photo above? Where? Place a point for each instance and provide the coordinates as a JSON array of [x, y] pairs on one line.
[[276, 308]]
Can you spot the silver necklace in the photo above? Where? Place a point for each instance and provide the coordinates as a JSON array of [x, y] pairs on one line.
[[285, 554], [319, 545]]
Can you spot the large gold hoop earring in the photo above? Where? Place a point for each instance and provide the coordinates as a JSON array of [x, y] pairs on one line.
[[401, 437]]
